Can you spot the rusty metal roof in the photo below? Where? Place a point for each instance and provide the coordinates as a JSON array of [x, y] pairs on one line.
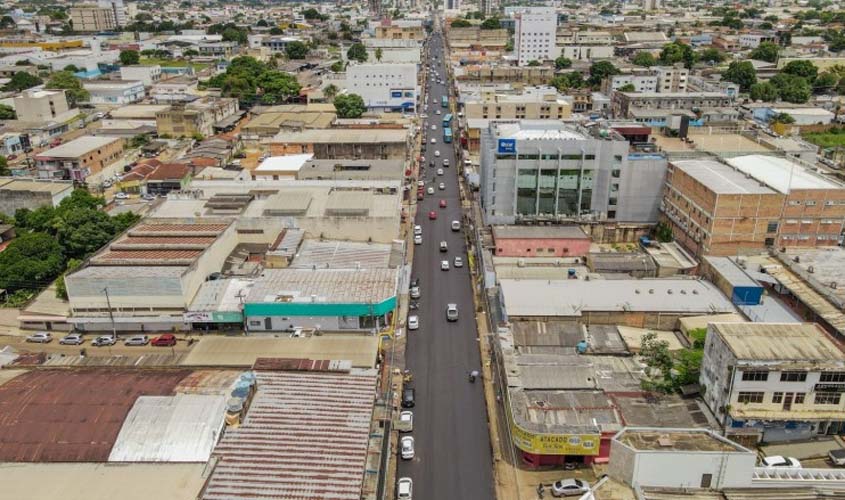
[[305, 437], [72, 416]]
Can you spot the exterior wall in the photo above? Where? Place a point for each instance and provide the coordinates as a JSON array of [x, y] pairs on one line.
[[113, 93], [536, 33], [641, 83], [639, 188], [813, 218], [343, 151], [80, 167], [585, 52], [623, 101], [91, 19], [518, 110], [401, 32], [187, 120], [41, 106], [672, 78], [13, 200], [384, 86], [546, 247], [148, 75], [528, 75]]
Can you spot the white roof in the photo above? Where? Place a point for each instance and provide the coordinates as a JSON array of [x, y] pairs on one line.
[[573, 297], [288, 163], [780, 174], [804, 111]]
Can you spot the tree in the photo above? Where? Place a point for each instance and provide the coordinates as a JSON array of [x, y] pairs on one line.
[[276, 31], [460, 23], [804, 69], [330, 91], [766, 51], [491, 23], [563, 63], [379, 54], [296, 50], [357, 52], [534, 63], [277, 86], [784, 118], [663, 232], [656, 356], [742, 73], [628, 87], [825, 82], [6, 113], [234, 34], [7, 22], [792, 88], [764, 91], [349, 106], [312, 14], [129, 57], [4, 167], [676, 52], [262, 23], [337, 66], [72, 68], [566, 81], [65, 80], [22, 81], [601, 70], [31, 261], [644, 59], [711, 55]]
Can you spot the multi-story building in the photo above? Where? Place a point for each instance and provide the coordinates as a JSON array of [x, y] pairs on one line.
[[118, 8], [494, 73], [43, 106], [394, 32], [148, 75], [546, 170], [197, 117], [218, 49], [536, 33], [345, 144], [779, 381], [567, 37], [79, 158], [671, 79], [90, 19], [623, 102], [753, 40], [583, 52], [750, 203], [534, 103], [114, 91], [389, 87]]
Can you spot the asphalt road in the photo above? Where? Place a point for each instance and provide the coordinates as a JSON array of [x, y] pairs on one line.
[[452, 444]]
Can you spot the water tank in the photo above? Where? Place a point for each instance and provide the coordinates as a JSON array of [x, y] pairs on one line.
[[581, 347]]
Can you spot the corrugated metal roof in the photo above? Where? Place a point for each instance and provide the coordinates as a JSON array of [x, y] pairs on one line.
[[779, 342], [304, 437]]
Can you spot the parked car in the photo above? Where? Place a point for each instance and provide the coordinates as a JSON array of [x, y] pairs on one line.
[[777, 461], [407, 447], [837, 456], [451, 312], [418, 239], [408, 397], [121, 196], [40, 338], [417, 230], [404, 488], [413, 322], [71, 339], [148, 197], [415, 292], [137, 340], [406, 421], [569, 488], [164, 340], [459, 262], [104, 340]]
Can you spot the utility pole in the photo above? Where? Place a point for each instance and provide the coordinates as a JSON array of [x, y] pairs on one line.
[[111, 316]]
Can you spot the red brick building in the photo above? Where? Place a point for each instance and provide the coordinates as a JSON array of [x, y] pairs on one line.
[[540, 241]]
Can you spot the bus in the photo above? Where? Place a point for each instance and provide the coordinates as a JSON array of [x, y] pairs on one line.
[[444, 101], [447, 134], [447, 120]]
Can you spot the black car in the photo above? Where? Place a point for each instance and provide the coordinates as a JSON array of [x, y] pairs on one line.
[[408, 398]]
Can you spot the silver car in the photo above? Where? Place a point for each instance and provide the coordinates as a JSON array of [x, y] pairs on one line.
[[40, 338], [72, 339], [137, 340]]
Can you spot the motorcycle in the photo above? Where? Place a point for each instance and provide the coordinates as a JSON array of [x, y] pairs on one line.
[[413, 306], [472, 376]]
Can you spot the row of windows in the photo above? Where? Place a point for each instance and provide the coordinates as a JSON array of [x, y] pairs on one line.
[[812, 203], [806, 237], [554, 157], [820, 398], [785, 376]]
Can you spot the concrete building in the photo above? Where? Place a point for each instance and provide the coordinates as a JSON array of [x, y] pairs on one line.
[[585, 53], [536, 34], [91, 19], [43, 106], [343, 144], [24, 193], [121, 18], [196, 117], [392, 51], [79, 158], [384, 87], [289, 117], [115, 92], [397, 32], [623, 103], [545, 170], [500, 73], [175, 90], [751, 203], [540, 241], [533, 103], [382, 170], [753, 40], [148, 75], [778, 382]]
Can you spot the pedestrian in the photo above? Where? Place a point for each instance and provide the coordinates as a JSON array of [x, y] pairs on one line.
[[540, 492]]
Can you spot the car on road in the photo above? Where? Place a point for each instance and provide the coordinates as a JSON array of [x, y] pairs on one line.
[[413, 322], [437, 153], [439, 171], [417, 230], [779, 462], [420, 184], [459, 262], [404, 488], [444, 247], [408, 397], [137, 340], [433, 127], [451, 312], [437, 112], [432, 215], [407, 446], [148, 197], [40, 338], [406, 421], [434, 140], [104, 340], [444, 265], [430, 190], [442, 203], [569, 488], [445, 162], [71, 339], [121, 196], [456, 225], [441, 186], [107, 183], [418, 239], [415, 292], [164, 340]]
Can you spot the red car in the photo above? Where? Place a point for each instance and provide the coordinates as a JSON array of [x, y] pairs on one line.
[[166, 340], [432, 215], [420, 195], [442, 203]]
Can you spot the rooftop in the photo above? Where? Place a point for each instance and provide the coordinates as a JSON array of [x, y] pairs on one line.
[[342, 255], [242, 352], [780, 342], [306, 286], [288, 163], [352, 169], [339, 135], [781, 174], [658, 439], [721, 178], [521, 132], [824, 267], [52, 187], [561, 412], [78, 147], [539, 232]]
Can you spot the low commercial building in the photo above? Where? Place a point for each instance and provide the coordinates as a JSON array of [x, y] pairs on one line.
[[148, 75], [352, 170], [384, 87], [175, 90], [323, 299], [79, 158], [395, 32], [280, 167], [116, 92], [533, 103], [343, 144], [623, 103], [495, 73], [289, 117], [43, 106], [16, 194], [540, 241], [777, 382], [195, 118]]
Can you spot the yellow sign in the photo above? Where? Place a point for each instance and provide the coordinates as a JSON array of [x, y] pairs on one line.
[[555, 444]]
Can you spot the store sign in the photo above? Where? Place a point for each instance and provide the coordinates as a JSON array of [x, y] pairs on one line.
[[828, 387], [555, 444], [198, 317], [507, 146]]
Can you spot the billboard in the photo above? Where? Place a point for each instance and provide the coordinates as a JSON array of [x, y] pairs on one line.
[[555, 444], [506, 146]]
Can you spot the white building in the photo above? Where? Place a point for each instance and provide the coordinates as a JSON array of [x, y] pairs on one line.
[[384, 86], [118, 9], [584, 52], [779, 381], [536, 34], [43, 106], [658, 79], [114, 91], [149, 75], [753, 40]]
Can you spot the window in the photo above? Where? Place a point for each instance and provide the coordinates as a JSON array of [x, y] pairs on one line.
[[810, 203], [832, 377], [799, 398], [750, 397], [793, 376], [827, 398], [777, 397], [755, 376], [772, 227]]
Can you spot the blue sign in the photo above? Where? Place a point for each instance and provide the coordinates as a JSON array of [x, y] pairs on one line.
[[507, 146], [396, 93]]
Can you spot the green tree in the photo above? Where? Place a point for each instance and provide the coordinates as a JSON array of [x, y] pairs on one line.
[[534, 63], [711, 56], [804, 69], [655, 354], [4, 167], [379, 54], [601, 70], [277, 87], [337, 67], [276, 31], [22, 81], [31, 261], [460, 23], [644, 59], [190, 53], [65, 80], [262, 23], [234, 34], [663, 232], [296, 50], [784, 118], [7, 22], [566, 81], [129, 57], [563, 63], [6, 112], [312, 14], [357, 52], [742, 73], [764, 91], [72, 68], [491, 23], [628, 87], [825, 82], [766, 51], [792, 88], [330, 91], [676, 52], [349, 106], [61, 287]]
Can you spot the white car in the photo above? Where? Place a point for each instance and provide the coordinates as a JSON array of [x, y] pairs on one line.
[[569, 488], [451, 312], [439, 171], [437, 153], [407, 443], [444, 265], [456, 225], [121, 196], [40, 338], [779, 462], [104, 340], [404, 488], [433, 127], [71, 339], [441, 186], [418, 239], [434, 140], [415, 292], [445, 162], [406, 421], [417, 230], [459, 262], [430, 190], [437, 112], [413, 322]]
